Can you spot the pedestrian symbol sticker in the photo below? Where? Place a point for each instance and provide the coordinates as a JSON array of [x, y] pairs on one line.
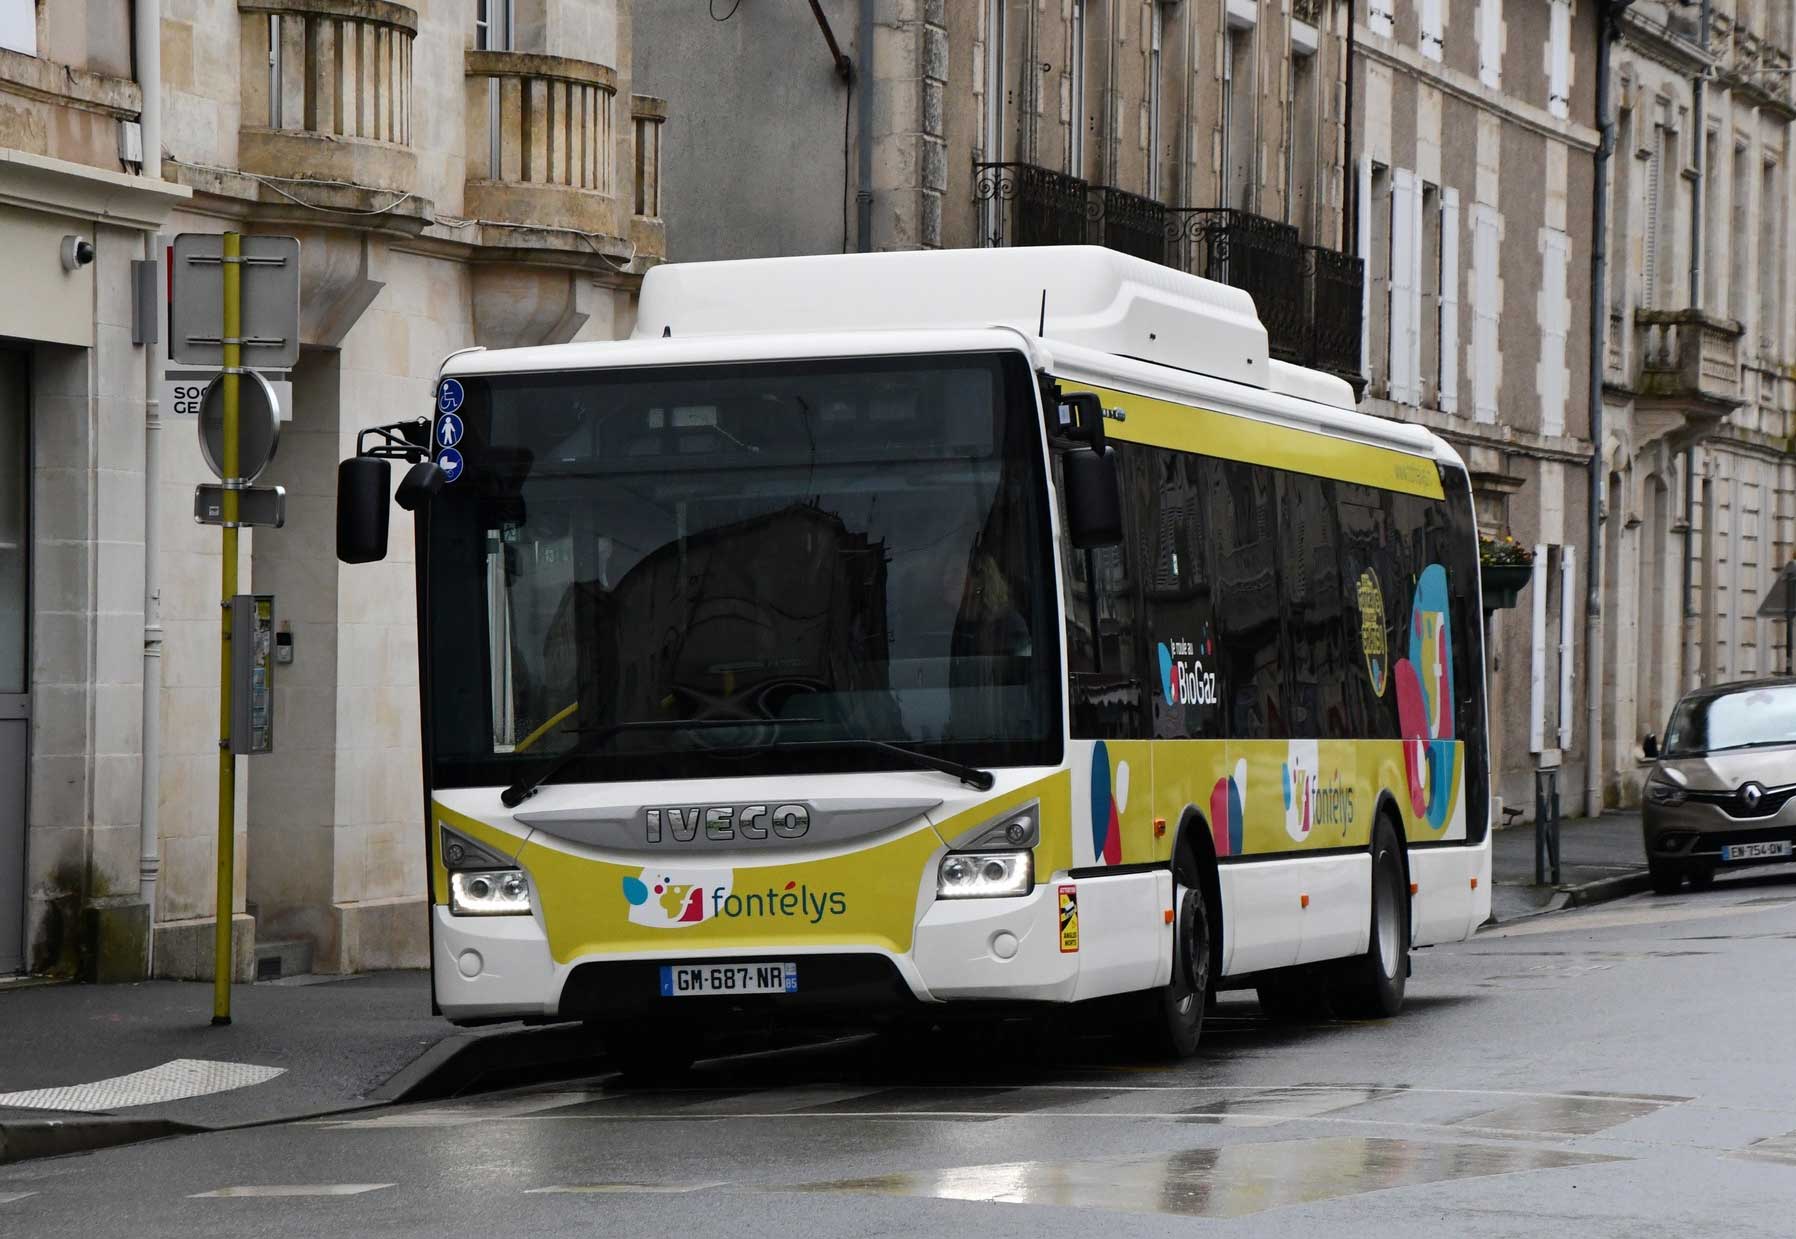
[[1069, 919], [450, 462], [449, 430], [449, 397]]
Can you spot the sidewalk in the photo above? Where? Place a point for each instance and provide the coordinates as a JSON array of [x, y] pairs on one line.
[[292, 1050], [1599, 858]]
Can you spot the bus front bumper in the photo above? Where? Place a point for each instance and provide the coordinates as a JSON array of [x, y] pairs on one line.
[[998, 950]]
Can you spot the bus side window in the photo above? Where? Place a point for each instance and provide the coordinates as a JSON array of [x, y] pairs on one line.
[[1250, 628], [1378, 579], [1318, 611], [1103, 620], [1179, 584]]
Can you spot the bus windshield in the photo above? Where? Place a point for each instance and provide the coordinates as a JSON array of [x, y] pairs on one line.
[[789, 557]]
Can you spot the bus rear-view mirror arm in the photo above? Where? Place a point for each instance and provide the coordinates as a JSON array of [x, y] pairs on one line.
[[365, 483]]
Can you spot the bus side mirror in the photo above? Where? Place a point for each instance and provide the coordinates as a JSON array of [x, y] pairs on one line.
[[364, 487], [1649, 745], [1093, 501], [1082, 417], [420, 483]]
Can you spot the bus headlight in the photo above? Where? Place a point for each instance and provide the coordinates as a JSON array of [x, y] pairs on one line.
[[985, 875], [489, 892]]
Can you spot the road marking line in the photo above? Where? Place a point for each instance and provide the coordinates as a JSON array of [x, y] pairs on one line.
[[656, 1189], [290, 1189], [176, 1080]]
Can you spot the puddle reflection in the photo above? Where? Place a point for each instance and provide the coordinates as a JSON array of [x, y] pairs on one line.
[[1568, 1116], [1219, 1182]]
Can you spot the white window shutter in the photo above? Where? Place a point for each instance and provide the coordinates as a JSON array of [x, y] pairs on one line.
[[1403, 285], [1431, 29], [1568, 580], [1448, 399], [1537, 656], [1485, 250], [1364, 226], [1413, 356], [1555, 327], [1380, 17], [1559, 63], [1490, 43]]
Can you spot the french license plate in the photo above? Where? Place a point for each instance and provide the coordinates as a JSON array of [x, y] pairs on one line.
[[694, 980], [1770, 849]]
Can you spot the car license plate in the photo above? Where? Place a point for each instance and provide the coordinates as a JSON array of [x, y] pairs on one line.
[[1770, 849], [694, 980]]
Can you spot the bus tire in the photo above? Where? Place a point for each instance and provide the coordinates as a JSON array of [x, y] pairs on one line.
[[1176, 1011], [1372, 985]]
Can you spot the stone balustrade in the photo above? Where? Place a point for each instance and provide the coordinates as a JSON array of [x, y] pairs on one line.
[[327, 91], [1689, 358], [541, 148]]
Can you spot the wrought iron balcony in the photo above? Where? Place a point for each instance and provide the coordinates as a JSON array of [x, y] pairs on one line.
[[1129, 223], [1255, 254], [1033, 205], [1308, 11], [1336, 284]]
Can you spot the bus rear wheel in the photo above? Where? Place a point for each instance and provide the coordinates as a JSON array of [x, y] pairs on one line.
[[1372, 986], [1175, 1018]]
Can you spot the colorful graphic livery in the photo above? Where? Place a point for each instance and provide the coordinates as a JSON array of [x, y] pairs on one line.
[[861, 640]]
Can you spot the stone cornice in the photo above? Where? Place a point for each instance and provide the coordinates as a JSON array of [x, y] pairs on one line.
[[49, 82], [40, 183], [1468, 89]]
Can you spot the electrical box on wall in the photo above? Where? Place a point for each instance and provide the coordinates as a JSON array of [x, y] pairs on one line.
[[252, 674]]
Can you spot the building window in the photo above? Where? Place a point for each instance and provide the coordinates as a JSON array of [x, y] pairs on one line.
[[1429, 299], [1490, 43], [492, 25], [1447, 355], [648, 164], [1559, 59], [1487, 287], [1771, 218], [18, 26], [1300, 145], [1740, 237], [1378, 275], [1714, 237], [1431, 29], [1155, 69], [1380, 17], [1238, 93], [1075, 139]]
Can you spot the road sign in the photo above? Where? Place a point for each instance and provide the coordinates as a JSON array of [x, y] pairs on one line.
[[258, 427], [270, 301], [264, 506]]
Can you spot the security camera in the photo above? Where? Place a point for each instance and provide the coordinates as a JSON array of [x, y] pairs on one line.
[[77, 252]]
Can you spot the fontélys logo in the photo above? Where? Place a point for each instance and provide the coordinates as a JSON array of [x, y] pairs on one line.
[[1311, 801], [662, 898]]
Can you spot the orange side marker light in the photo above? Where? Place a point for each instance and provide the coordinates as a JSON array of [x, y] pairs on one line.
[[1159, 827], [1303, 901], [1169, 916], [1416, 886], [1474, 883]]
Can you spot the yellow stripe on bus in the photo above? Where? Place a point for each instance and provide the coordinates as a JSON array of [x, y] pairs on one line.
[[1187, 428]]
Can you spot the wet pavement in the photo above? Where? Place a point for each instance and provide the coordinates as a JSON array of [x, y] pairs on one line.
[[1618, 1070]]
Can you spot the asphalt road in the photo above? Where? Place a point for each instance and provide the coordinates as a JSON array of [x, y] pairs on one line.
[[1622, 1070]]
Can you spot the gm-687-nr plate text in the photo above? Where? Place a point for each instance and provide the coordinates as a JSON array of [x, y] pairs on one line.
[[694, 980]]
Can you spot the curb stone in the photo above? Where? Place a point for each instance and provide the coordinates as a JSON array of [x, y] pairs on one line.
[[25, 1139]]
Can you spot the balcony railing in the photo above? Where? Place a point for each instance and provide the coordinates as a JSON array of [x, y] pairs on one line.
[[1690, 359], [1129, 223], [1257, 255], [327, 90], [540, 141], [1309, 298], [1030, 205], [1309, 11]]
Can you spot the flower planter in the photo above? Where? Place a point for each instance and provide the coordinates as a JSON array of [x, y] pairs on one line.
[[1503, 584]]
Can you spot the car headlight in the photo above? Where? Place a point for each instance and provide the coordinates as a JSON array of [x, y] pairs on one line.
[[985, 875], [489, 892], [1664, 791]]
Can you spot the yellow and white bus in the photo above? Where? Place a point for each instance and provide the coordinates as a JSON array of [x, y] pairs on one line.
[[896, 635]]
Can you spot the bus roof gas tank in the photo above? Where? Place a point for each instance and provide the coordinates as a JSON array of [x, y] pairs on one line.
[[1080, 294]]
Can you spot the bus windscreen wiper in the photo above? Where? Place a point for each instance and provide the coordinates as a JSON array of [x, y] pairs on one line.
[[591, 741], [972, 776]]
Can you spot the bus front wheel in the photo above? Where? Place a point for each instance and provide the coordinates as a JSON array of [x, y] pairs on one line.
[[1372, 986], [1176, 1015]]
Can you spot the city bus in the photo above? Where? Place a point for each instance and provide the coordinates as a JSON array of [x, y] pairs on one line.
[[890, 637]]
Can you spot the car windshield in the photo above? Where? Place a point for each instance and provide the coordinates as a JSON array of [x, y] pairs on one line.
[[823, 552], [1746, 719]]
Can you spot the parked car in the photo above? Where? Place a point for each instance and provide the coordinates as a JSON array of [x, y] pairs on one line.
[[1722, 790]]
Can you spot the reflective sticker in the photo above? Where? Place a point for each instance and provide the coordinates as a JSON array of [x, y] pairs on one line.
[[1069, 919]]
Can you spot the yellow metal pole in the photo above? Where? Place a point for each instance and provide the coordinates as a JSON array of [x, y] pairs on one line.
[[227, 761]]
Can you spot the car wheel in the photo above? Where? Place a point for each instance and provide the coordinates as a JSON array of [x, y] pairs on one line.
[[1175, 1017], [1667, 878], [1701, 876], [1373, 985]]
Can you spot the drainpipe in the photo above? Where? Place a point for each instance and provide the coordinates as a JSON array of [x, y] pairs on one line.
[[1599, 314], [1696, 228], [1349, 181], [863, 198], [146, 34]]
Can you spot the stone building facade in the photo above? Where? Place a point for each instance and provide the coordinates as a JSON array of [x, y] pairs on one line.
[[459, 173], [1700, 405], [1474, 146]]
